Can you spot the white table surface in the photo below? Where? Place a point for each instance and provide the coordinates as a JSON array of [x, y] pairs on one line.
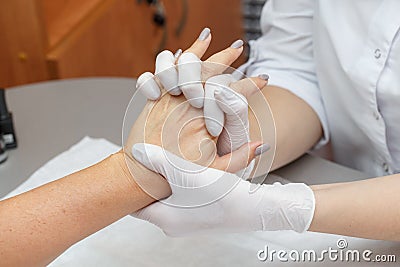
[[49, 117]]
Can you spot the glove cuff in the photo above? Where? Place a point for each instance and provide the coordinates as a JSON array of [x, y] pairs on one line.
[[288, 207], [311, 204]]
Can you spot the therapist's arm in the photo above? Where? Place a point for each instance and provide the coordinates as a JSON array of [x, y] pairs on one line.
[[368, 208], [37, 226], [286, 52], [297, 126]]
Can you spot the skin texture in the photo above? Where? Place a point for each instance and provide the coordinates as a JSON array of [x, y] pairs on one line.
[[368, 208], [40, 224], [300, 118]]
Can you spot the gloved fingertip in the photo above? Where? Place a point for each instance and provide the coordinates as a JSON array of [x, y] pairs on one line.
[[196, 102], [166, 56], [188, 57], [148, 86], [152, 95], [224, 96], [143, 78], [213, 128], [175, 91]]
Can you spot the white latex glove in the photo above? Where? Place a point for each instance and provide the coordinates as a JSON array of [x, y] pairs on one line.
[[185, 76], [225, 103], [226, 113], [209, 200]]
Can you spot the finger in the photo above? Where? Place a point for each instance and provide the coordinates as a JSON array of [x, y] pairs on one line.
[[236, 128], [232, 101], [219, 62], [240, 159], [200, 46], [152, 157], [213, 115], [148, 86], [167, 73], [189, 69], [249, 86]]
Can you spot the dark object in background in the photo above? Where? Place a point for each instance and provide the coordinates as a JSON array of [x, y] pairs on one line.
[[252, 10], [3, 151], [6, 123]]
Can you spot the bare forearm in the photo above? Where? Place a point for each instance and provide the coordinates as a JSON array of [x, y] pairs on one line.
[[297, 125], [39, 225], [368, 208]]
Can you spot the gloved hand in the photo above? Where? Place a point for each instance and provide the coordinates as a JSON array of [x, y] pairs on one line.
[[226, 101], [210, 200], [225, 115]]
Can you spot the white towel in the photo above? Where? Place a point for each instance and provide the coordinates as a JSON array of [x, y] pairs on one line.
[[132, 242]]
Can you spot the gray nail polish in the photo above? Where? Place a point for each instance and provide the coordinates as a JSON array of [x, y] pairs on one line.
[[262, 149], [178, 53], [264, 76], [237, 44], [204, 34]]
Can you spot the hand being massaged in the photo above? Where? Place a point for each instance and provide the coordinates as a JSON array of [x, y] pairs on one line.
[[205, 85], [184, 131], [171, 121]]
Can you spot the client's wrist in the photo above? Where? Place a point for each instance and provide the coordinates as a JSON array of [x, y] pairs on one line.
[[138, 177]]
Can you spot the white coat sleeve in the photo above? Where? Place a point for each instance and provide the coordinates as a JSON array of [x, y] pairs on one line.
[[285, 52]]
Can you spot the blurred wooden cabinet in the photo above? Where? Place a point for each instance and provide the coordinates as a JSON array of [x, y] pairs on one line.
[[55, 39]]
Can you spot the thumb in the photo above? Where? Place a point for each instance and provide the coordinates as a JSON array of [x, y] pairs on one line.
[[240, 158], [171, 220], [163, 162], [151, 157], [160, 215], [150, 212]]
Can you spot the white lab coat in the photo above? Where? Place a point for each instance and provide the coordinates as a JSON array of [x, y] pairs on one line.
[[343, 58]]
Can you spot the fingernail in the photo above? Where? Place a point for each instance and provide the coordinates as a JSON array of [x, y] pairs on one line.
[[262, 149], [264, 76], [204, 34], [178, 53], [237, 44]]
